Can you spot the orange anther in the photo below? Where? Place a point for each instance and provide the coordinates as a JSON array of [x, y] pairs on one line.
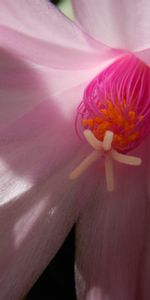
[[104, 111], [104, 126], [98, 120], [132, 115], [115, 118], [88, 122], [133, 136]]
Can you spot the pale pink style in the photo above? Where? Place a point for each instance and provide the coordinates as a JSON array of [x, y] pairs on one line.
[[46, 62]]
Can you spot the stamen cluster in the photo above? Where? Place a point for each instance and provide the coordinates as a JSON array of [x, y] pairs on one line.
[[118, 99], [100, 149], [115, 115]]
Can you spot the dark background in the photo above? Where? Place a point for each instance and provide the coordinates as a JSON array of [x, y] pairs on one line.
[[57, 281]]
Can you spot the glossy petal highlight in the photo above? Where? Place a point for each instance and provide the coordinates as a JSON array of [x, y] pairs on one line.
[[35, 215]]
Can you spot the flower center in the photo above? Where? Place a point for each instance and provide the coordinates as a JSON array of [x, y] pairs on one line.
[[114, 114], [115, 118], [118, 100]]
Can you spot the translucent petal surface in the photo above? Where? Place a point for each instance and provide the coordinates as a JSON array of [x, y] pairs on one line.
[[38, 202], [38, 146], [36, 30], [24, 85], [111, 237], [144, 55], [121, 23]]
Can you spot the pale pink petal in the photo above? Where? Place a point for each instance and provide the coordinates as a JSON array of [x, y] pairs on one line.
[[39, 203], [38, 150], [32, 229], [121, 23], [24, 85], [111, 235], [144, 55], [21, 88], [145, 263], [38, 31]]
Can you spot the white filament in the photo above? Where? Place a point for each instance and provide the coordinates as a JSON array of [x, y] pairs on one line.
[[108, 138], [109, 173], [84, 165], [105, 148], [92, 140], [126, 159]]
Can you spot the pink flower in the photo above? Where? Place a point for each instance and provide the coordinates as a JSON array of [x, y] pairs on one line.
[[47, 63]]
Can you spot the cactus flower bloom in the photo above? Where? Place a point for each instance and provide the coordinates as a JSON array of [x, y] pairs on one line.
[[61, 80]]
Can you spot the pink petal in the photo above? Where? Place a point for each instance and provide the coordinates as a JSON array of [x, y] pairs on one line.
[[144, 55], [23, 86], [38, 202], [145, 263], [120, 24], [38, 150], [145, 270], [111, 235], [37, 31]]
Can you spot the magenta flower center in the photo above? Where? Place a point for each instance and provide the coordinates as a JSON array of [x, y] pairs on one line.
[[118, 100]]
